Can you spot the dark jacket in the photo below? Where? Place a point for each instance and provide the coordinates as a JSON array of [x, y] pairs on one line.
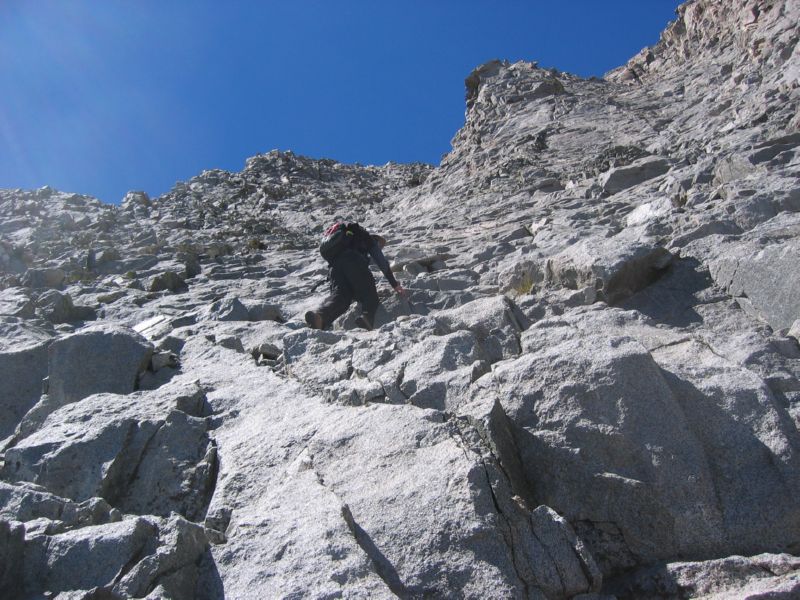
[[366, 245]]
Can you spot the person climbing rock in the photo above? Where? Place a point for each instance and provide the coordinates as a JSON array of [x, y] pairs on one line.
[[348, 248]]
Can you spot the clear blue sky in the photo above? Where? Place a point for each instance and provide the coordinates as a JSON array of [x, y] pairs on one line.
[[104, 96]]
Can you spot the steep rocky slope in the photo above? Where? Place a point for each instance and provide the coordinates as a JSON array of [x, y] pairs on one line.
[[594, 389]]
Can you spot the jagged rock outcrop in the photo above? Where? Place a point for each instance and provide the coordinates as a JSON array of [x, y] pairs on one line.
[[593, 390]]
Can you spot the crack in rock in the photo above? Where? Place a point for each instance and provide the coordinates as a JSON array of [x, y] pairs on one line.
[[383, 567]]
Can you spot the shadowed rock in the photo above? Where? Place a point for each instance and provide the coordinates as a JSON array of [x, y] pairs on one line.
[[620, 178], [125, 559], [143, 454], [23, 369], [102, 358], [58, 308]]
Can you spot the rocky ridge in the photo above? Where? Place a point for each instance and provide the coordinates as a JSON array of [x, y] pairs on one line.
[[594, 389]]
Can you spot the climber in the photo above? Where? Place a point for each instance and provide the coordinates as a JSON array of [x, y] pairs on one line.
[[349, 275]]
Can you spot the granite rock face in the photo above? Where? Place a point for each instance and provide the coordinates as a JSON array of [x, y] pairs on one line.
[[592, 391]]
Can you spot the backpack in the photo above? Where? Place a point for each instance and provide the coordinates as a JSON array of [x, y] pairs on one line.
[[336, 239]]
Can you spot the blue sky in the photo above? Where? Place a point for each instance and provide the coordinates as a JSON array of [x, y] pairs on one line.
[[104, 96]]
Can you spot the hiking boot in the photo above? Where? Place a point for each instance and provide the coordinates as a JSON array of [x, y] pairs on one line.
[[314, 319]]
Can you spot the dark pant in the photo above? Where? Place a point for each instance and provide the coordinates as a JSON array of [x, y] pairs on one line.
[[350, 279]]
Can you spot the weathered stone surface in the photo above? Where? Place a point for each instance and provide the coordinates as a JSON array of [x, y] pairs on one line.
[[615, 267], [57, 307], [419, 475], [86, 558], [14, 302], [128, 558], [228, 309], [317, 357], [587, 386], [414, 468], [761, 576], [127, 266], [759, 270], [154, 327], [620, 178], [143, 454], [504, 430], [576, 569], [171, 564], [794, 331], [263, 311], [496, 322], [12, 553], [438, 375], [22, 373], [28, 502], [306, 534], [98, 359], [43, 278], [168, 281], [231, 342]]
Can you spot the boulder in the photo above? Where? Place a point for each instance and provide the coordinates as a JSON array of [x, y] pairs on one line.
[[227, 309], [134, 199], [355, 392], [218, 249], [732, 168], [27, 502], [618, 179], [436, 374], [111, 297], [756, 276], [794, 330], [760, 576], [154, 327], [15, 302], [572, 569], [496, 321], [317, 358], [13, 259], [191, 264], [44, 278], [102, 358], [128, 559], [172, 565], [263, 311], [649, 212], [615, 267], [142, 454], [168, 281], [564, 398], [57, 307], [267, 350], [231, 342], [754, 268], [684, 451], [445, 281], [22, 374], [127, 265], [23, 369], [12, 559], [160, 360], [107, 255], [351, 454]]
